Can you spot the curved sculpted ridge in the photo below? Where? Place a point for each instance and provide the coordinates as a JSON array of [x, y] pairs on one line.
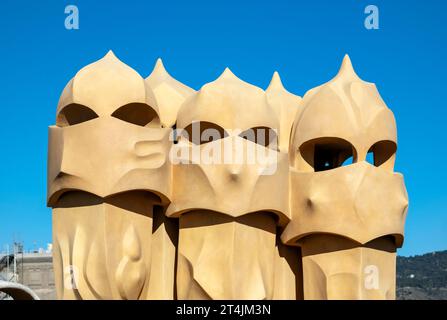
[[345, 107], [230, 103], [169, 92], [106, 85], [17, 291], [159, 191], [286, 106]]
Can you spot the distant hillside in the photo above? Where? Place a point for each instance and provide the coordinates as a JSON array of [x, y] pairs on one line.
[[422, 277]]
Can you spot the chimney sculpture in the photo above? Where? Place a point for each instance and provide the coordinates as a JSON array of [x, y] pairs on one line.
[[288, 271], [256, 194], [227, 165], [347, 219], [107, 169], [170, 94]]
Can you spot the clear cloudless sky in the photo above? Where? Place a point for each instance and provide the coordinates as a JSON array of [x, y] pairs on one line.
[[303, 40]]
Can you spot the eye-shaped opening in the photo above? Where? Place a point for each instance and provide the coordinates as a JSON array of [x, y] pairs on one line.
[[263, 136], [327, 153], [139, 114], [200, 132], [73, 114], [380, 152]]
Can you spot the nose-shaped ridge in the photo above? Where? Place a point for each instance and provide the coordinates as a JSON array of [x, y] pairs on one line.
[[235, 171]]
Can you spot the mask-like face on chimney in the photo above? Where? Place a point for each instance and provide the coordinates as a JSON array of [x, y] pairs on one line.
[[228, 147], [334, 190], [108, 134], [229, 192], [107, 168]]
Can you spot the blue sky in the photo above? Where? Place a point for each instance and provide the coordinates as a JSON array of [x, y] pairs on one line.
[[303, 40]]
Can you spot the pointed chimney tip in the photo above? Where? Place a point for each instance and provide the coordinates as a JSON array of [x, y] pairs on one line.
[[275, 82], [347, 69], [110, 54]]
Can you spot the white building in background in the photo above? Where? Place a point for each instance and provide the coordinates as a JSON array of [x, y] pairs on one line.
[[32, 269]]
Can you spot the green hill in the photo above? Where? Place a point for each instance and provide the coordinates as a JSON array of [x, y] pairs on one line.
[[422, 277]]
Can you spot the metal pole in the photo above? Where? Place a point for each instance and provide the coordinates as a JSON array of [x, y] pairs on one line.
[[22, 276], [15, 263], [7, 262]]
